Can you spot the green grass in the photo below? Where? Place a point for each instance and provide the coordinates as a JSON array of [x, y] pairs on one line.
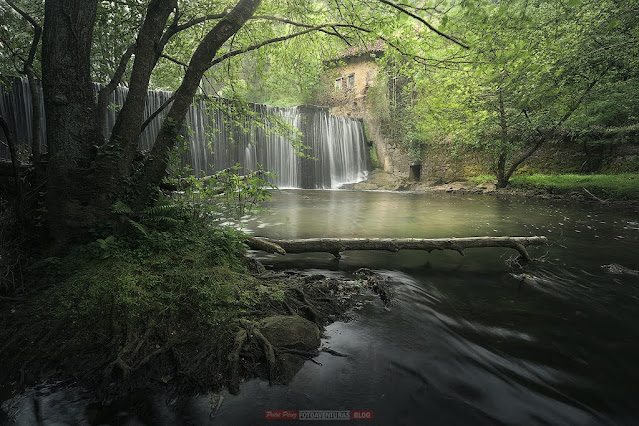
[[482, 179], [624, 185], [620, 186]]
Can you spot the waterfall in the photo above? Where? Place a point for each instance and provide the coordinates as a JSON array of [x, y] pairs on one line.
[[219, 137]]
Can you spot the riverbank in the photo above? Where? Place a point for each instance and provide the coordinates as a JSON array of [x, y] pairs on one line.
[[184, 311], [615, 191]]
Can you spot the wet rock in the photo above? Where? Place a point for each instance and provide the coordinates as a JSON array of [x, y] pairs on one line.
[[287, 366], [291, 332], [616, 269]]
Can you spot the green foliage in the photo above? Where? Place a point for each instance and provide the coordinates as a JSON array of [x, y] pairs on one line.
[[617, 186], [621, 186], [526, 78], [482, 179], [196, 275], [225, 197], [372, 152]]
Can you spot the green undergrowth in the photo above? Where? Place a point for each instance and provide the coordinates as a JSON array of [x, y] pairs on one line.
[[116, 311], [619, 186]]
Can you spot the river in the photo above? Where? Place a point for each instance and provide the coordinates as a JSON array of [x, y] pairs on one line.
[[464, 342]]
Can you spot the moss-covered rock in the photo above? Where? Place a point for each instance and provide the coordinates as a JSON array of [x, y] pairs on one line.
[[291, 332]]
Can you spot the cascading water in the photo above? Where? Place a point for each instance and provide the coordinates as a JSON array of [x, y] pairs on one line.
[[219, 137]]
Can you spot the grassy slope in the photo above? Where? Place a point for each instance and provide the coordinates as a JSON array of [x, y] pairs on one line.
[[115, 313], [621, 186]]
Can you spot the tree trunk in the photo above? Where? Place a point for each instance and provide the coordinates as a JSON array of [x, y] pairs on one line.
[[337, 245], [126, 132], [70, 106], [502, 179], [155, 167]]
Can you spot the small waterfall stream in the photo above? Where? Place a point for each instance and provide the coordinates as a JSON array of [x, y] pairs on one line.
[[221, 134]]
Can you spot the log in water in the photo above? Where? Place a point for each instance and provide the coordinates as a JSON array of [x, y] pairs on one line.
[[337, 245]]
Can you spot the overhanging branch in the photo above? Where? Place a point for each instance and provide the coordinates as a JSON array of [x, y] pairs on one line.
[[105, 92], [423, 21]]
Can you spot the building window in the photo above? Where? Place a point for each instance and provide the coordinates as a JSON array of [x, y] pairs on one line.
[[350, 82], [338, 84]]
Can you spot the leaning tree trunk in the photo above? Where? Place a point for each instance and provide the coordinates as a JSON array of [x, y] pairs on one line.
[[155, 167], [70, 106]]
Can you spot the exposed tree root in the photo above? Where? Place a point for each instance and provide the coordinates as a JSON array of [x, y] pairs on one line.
[[119, 353], [268, 351], [377, 283], [334, 353], [306, 354], [234, 359]]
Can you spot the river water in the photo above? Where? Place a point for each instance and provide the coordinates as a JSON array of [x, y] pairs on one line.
[[463, 341]]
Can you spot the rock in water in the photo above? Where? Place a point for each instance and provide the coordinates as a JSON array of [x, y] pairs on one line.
[[616, 269], [291, 332]]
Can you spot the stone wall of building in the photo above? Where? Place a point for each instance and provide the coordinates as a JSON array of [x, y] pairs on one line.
[[444, 164], [354, 102]]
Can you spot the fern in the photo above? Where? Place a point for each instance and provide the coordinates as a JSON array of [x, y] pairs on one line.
[[120, 207], [139, 227], [161, 210]]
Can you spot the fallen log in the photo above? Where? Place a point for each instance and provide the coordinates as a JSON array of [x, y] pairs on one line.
[[337, 245]]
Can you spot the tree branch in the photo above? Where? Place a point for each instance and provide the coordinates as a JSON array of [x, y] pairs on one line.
[[175, 61], [148, 48], [337, 245], [156, 113], [423, 21], [175, 28], [36, 27], [576, 105], [105, 92], [563, 119], [265, 43], [155, 166]]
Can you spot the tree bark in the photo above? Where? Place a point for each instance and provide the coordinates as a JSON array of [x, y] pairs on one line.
[[126, 131], [71, 131], [337, 245], [502, 180]]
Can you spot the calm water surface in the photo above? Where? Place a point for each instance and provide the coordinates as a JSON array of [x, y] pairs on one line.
[[463, 342]]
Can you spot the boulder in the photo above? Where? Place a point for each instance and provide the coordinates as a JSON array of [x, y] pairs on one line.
[[291, 332]]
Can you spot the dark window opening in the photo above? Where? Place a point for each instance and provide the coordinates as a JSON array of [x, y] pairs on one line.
[[415, 172], [350, 82]]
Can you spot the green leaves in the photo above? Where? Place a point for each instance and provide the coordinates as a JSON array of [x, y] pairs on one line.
[[528, 68]]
